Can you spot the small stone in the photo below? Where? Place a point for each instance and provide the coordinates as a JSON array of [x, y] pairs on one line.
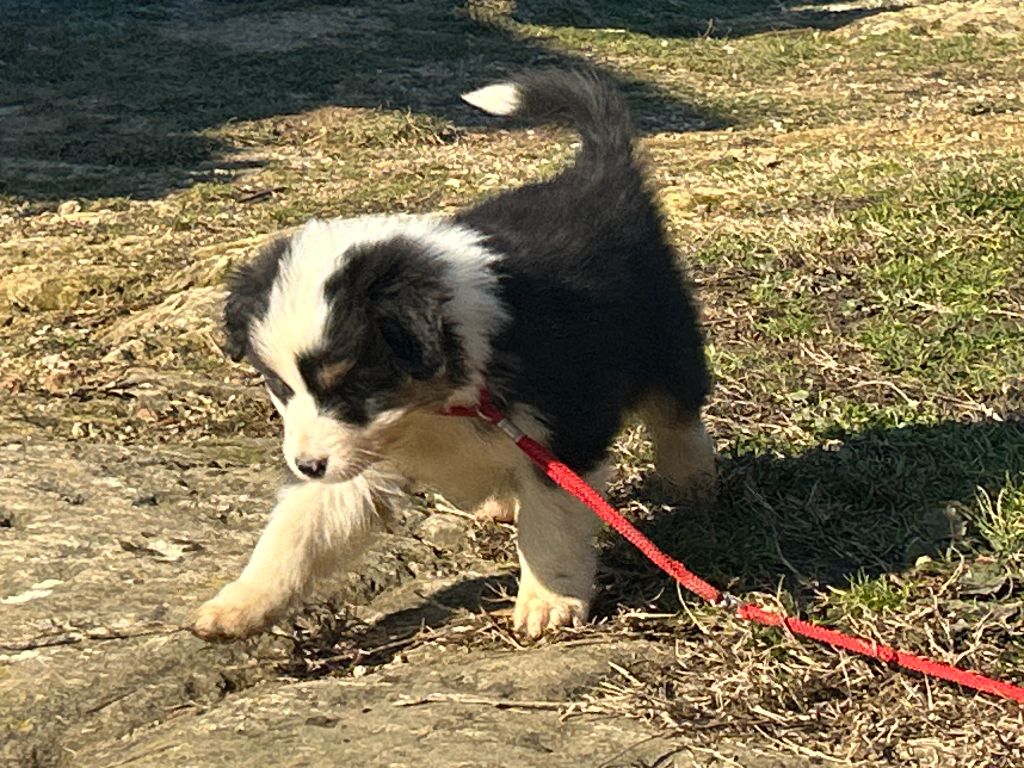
[[55, 381], [146, 414], [69, 207], [441, 532], [322, 721]]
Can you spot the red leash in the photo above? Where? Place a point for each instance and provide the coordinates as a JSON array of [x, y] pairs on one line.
[[574, 484]]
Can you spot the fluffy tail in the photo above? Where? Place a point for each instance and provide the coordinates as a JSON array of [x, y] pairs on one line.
[[578, 98]]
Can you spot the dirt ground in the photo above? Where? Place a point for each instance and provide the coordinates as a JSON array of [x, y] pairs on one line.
[[843, 182]]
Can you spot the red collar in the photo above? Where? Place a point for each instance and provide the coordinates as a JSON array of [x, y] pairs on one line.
[[484, 409]]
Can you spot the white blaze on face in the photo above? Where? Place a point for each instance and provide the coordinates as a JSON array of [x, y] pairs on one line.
[[311, 436], [293, 325]]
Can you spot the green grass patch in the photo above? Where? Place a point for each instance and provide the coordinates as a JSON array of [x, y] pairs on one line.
[[867, 597], [945, 275], [999, 516]]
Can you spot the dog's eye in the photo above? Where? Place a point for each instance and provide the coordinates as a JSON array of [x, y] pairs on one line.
[[329, 375], [278, 388]]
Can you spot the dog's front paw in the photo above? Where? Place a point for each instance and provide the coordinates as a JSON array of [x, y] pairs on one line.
[[238, 611], [540, 611]]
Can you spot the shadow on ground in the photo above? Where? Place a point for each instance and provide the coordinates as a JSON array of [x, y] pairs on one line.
[[871, 503], [327, 640], [108, 99], [703, 18]]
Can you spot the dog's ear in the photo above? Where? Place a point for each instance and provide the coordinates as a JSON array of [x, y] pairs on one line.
[[401, 291], [238, 310], [410, 324], [248, 292]]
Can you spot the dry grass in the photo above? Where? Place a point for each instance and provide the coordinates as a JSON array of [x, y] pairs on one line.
[[846, 191]]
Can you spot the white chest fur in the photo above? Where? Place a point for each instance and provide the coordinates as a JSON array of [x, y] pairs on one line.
[[463, 458]]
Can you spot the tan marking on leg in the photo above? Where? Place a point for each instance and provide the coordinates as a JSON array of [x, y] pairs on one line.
[[500, 509], [684, 454]]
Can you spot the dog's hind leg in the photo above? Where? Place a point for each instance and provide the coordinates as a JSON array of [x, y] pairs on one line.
[[499, 508], [556, 557], [314, 528], [684, 454]]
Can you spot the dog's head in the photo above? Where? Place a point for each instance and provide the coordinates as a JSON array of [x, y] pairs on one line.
[[354, 322]]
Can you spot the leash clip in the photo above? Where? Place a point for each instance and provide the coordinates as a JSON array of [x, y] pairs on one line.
[[508, 428]]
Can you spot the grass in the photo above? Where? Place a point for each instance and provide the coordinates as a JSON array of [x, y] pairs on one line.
[[882, 596], [849, 206], [947, 316], [1000, 520]]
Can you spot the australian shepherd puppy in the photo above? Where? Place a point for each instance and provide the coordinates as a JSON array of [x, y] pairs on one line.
[[562, 298]]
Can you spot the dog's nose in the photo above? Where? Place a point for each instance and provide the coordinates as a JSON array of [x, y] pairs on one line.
[[312, 468]]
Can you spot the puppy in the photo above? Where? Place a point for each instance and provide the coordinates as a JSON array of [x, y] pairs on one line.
[[562, 298]]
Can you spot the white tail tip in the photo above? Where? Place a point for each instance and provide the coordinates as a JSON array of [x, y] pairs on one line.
[[498, 99]]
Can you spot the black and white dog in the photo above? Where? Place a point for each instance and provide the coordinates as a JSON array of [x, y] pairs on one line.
[[563, 298]]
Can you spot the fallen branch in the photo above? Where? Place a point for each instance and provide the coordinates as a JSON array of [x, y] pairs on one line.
[[73, 638], [459, 698]]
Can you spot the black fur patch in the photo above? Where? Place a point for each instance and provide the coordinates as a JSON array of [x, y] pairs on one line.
[[400, 289], [601, 313], [248, 294], [386, 320]]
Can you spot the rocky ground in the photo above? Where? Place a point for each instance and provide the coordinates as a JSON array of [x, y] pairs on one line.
[[112, 550], [844, 183]]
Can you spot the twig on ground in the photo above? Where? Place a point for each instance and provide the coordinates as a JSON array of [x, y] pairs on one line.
[[458, 698]]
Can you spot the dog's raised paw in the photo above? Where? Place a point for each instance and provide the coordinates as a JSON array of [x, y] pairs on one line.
[[536, 614], [237, 612]]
